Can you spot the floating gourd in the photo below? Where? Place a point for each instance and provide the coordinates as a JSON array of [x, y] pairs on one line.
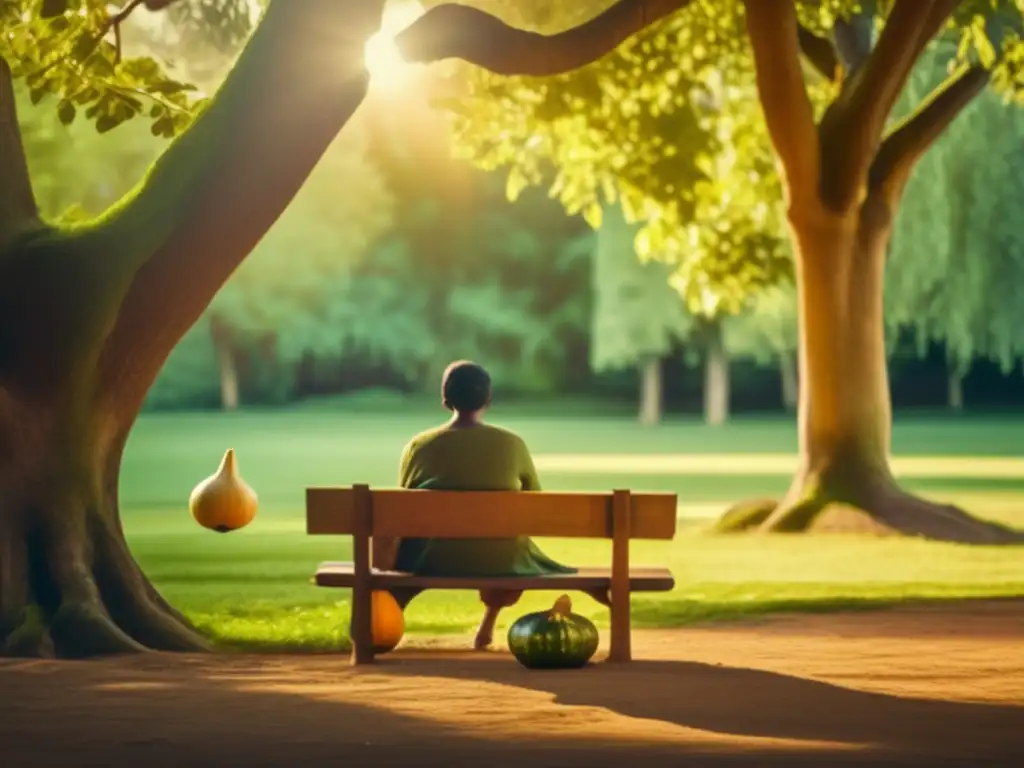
[[223, 502], [555, 639], [387, 621]]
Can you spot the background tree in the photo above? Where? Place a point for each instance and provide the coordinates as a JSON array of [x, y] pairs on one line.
[[638, 317], [767, 332], [957, 255]]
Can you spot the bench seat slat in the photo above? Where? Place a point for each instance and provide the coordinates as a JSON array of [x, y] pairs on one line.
[[641, 579]]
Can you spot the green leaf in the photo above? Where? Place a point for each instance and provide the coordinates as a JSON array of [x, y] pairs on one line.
[[51, 8], [106, 122], [515, 184], [592, 215], [163, 127], [66, 112]]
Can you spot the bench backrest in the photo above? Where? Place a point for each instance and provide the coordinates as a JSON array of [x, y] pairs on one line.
[[484, 514]]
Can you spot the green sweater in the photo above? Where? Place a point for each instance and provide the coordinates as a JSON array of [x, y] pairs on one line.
[[478, 458]]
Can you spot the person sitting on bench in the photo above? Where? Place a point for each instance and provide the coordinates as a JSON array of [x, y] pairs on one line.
[[465, 454]]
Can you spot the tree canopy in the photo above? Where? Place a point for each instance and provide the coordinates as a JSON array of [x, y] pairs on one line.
[[669, 125], [77, 53]]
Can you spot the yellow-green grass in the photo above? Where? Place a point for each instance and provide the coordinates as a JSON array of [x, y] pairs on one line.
[[251, 588]]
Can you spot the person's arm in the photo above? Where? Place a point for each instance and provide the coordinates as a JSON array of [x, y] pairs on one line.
[[385, 548], [405, 467], [527, 472]]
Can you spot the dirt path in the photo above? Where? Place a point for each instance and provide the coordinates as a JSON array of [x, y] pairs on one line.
[[906, 687]]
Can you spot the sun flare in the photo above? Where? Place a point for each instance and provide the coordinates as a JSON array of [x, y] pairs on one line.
[[383, 59]]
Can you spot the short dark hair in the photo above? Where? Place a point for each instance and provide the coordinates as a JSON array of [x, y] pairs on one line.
[[465, 387]]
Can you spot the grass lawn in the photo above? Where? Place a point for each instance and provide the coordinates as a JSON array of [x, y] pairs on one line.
[[251, 588]]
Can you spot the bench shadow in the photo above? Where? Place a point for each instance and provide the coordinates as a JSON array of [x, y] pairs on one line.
[[749, 702]]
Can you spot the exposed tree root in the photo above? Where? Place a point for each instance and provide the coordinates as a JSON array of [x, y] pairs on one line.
[[135, 605], [745, 516], [80, 594], [880, 508]]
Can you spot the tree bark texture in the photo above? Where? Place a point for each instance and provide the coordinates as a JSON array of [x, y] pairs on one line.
[[650, 391], [717, 389], [844, 179]]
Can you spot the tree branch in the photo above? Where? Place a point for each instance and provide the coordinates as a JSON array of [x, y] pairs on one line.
[[821, 53], [220, 186], [852, 128], [773, 29], [453, 31], [907, 143], [19, 212]]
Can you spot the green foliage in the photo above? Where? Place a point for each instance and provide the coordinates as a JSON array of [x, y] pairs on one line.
[[288, 289], [74, 168], [768, 328], [637, 314], [76, 54], [957, 255], [495, 282], [190, 377]]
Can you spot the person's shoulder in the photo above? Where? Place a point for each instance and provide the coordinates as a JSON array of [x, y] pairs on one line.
[[425, 437], [506, 435]]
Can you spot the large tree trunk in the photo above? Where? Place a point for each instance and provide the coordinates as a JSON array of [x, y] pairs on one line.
[[650, 391], [790, 381], [716, 376], [68, 583], [88, 317], [844, 483]]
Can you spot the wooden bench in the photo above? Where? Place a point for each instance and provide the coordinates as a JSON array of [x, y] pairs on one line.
[[619, 516]]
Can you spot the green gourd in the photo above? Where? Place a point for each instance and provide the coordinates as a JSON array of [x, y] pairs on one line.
[[554, 639]]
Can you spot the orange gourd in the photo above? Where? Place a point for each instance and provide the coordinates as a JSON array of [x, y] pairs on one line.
[[224, 502], [387, 621]]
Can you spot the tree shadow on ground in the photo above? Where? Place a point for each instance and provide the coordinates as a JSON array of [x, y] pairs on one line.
[[260, 711], [751, 702]]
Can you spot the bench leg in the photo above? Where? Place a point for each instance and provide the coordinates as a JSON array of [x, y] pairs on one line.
[[622, 646], [621, 650], [361, 627]]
